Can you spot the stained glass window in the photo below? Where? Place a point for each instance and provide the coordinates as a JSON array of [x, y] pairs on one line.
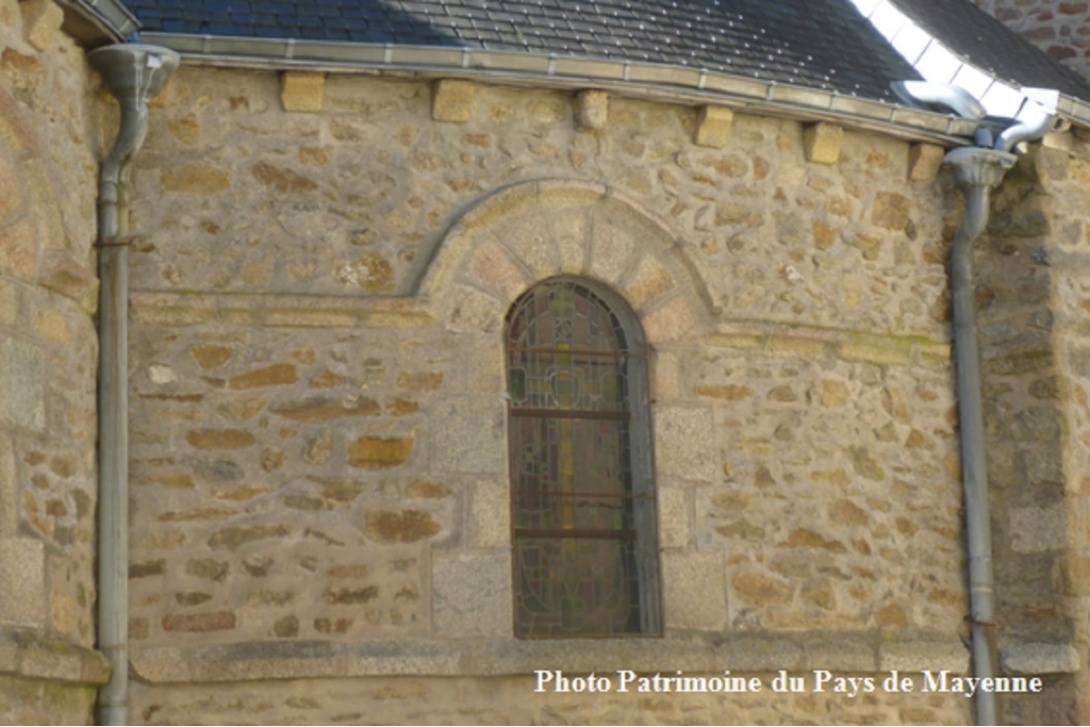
[[583, 504]]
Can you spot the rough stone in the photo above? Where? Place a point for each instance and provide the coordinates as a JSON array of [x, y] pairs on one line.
[[821, 143], [592, 109], [452, 100], [22, 582], [302, 90], [473, 595], [713, 124], [379, 452]]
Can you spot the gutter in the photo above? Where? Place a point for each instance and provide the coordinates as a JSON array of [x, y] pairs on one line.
[[94, 22], [657, 82], [134, 74]]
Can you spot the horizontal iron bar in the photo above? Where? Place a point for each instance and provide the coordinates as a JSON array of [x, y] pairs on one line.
[[570, 414], [575, 533]]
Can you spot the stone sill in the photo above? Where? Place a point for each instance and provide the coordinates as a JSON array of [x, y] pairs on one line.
[[859, 652], [33, 655]]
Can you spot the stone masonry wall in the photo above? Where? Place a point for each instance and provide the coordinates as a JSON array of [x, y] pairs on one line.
[[48, 348], [1058, 27], [1033, 308], [319, 452]]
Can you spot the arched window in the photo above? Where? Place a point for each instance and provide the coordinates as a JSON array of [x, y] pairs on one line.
[[583, 501]]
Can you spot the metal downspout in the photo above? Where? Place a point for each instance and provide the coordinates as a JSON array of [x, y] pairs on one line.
[[134, 74], [977, 172]]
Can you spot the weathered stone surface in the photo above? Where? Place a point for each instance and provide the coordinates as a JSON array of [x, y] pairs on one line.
[[592, 109], [404, 526], [199, 622], [219, 438], [473, 595], [22, 390], [233, 537], [452, 100], [713, 124], [822, 141], [695, 587], [379, 452], [302, 90], [194, 178], [22, 582], [683, 442]]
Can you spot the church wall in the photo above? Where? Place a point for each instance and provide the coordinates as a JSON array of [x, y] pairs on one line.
[[48, 151], [319, 464]]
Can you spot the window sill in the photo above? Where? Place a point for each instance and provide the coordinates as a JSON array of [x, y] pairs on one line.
[[859, 652]]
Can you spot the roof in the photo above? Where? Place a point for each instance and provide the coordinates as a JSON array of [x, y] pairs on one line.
[[771, 41], [990, 45], [822, 44]]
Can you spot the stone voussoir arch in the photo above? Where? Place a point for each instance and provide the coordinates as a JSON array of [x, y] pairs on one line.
[[531, 231]]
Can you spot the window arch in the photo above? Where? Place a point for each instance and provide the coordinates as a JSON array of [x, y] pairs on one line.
[[584, 534]]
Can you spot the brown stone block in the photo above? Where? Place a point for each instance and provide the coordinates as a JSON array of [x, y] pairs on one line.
[[351, 596], [198, 515], [322, 409], [236, 536], [404, 526], [211, 356], [452, 100], [41, 22], [282, 180], [199, 622], [219, 438], [209, 568], [713, 124], [891, 210], [194, 178], [759, 589], [806, 538], [422, 381], [423, 489], [402, 407], [274, 375], [825, 236], [302, 90], [727, 392], [924, 162], [592, 109], [191, 598], [379, 452], [821, 142], [286, 627], [357, 570]]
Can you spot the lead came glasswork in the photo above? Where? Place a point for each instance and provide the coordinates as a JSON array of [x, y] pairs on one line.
[[585, 562]]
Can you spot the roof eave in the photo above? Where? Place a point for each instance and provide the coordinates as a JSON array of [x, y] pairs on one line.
[[659, 82], [96, 22]]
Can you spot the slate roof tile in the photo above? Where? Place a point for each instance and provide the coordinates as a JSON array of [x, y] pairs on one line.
[[820, 43]]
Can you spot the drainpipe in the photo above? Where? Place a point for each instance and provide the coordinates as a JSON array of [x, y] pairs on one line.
[[134, 74], [977, 171]]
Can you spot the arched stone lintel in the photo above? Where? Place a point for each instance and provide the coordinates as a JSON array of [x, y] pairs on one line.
[[532, 231]]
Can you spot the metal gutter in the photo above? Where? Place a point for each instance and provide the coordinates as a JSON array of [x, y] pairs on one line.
[[106, 20], [672, 84]]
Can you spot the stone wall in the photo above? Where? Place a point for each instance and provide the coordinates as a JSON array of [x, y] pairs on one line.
[[48, 354], [319, 451], [1057, 27], [1033, 307]]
